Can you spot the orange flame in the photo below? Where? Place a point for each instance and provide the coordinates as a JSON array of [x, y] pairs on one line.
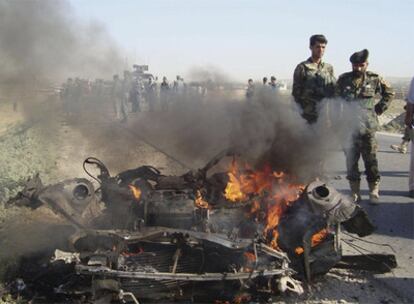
[[245, 298], [249, 256], [136, 192], [255, 207], [200, 202], [242, 185], [233, 191], [317, 238], [274, 189]]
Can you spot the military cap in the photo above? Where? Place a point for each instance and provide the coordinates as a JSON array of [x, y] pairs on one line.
[[359, 57]]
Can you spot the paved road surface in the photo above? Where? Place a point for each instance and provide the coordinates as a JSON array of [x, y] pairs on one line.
[[394, 217]]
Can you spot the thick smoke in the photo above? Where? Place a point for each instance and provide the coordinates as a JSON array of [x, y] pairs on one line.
[[267, 130], [42, 42], [208, 74]]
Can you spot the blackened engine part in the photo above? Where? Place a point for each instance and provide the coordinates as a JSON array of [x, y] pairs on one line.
[[338, 208], [172, 183], [153, 268], [122, 209], [318, 260], [325, 200], [73, 199], [86, 242], [296, 228], [298, 219], [232, 221], [145, 172], [150, 256], [359, 223], [171, 208]]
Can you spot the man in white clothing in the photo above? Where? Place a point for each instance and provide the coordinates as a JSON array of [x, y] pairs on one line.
[[409, 123]]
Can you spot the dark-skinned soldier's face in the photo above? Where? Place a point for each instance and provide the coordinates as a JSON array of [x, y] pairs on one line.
[[359, 68], [318, 49]]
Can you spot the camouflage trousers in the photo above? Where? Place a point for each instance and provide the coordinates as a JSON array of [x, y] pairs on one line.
[[364, 145], [406, 136]]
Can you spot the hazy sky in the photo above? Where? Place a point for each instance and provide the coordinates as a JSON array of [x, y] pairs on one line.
[[255, 38]]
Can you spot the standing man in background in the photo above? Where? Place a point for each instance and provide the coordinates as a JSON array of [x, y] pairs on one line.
[[164, 93], [273, 83], [361, 86], [135, 95], [117, 95], [313, 80], [151, 93], [249, 90], [409, 123]]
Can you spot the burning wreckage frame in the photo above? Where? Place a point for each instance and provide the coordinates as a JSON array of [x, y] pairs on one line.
[[227, 237]]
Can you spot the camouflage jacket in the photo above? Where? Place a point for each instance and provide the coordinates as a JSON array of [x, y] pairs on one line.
[[311, 83], [363, 92]]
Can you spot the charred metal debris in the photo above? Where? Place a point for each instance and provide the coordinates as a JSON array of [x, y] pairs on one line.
[[141, 236]]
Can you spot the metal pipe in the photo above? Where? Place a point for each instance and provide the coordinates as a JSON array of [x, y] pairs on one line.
[[212, 276]]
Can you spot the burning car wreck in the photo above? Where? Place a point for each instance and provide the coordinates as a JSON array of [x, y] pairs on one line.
[[207, 236]]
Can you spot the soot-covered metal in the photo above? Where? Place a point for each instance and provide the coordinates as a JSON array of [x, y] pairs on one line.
[[142, 236]]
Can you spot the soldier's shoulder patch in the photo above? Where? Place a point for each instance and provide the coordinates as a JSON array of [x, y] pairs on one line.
[[372, 74], [303, 63], [310, 66]]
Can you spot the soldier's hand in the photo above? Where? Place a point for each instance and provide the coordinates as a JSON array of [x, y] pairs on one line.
[[378, 109], [408, 121]]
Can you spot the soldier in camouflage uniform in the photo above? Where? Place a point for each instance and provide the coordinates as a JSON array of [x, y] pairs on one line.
[[361, 86], [313, 80]]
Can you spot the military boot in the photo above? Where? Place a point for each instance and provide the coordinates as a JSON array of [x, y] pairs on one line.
[[373, 193], [355, 191], [402, 148]]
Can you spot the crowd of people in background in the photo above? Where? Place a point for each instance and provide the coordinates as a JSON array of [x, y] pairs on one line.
[[272, 86], [131, 92]]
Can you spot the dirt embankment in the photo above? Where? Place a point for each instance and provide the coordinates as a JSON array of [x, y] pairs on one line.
[[393, 119], [24, 150]]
